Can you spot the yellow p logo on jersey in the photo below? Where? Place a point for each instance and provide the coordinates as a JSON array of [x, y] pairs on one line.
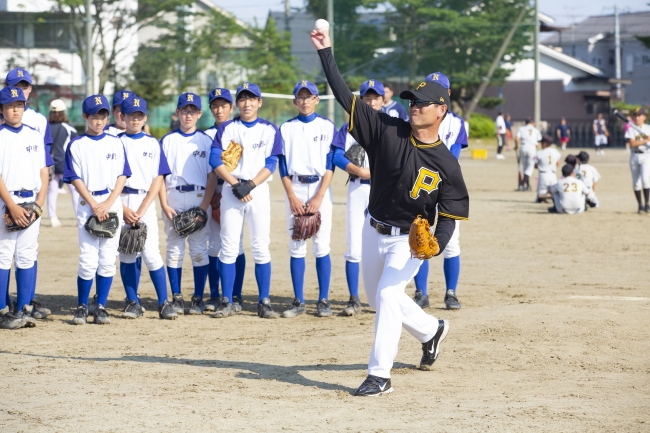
[[136, 102], [428, 180], [98, 100], [20, 73], [421, 85], [190, 98], [14, 93]]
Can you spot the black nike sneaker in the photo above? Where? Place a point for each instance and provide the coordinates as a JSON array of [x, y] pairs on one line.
[[374, 386], [431, 349]]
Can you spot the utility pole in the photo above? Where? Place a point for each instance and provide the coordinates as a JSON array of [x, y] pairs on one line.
[[90, 76], [617, 55], [287, 14], [537, 103], [330, 19]]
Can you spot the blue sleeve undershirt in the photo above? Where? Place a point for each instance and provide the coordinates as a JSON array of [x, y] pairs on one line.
[[339, 158]]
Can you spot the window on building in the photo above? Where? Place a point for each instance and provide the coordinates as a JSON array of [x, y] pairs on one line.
[[596, 61], [30, 30]]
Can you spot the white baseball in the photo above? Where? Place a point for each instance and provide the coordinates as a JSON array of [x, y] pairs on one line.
[[321, 24]]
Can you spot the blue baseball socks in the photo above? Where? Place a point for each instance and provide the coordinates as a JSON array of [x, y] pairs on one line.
[[422, 277], [352, 276]]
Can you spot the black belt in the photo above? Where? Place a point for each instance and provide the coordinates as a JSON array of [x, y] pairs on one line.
[[639, 151], [102, 192], [362, 181], [306, 179], [127, 190], [385, 229], [23, 194], [188, 188]]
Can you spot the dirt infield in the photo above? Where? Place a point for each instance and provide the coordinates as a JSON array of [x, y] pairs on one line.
[[552, 336]]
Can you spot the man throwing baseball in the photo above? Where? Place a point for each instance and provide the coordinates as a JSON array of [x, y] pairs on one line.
[[412, 173]]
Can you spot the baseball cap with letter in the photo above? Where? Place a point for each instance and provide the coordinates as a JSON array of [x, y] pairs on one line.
[[374, 85], [220, 92], [250, 88], [133, 104], [94, 104], [120, 96], [189, 99], [439, 77], [11, 94], [305, 85], [429, 91], [17, 75]]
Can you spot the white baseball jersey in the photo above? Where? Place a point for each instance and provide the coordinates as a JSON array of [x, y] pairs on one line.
[[22, 156], [212, 131], [393, 109], [588, 174], [38, 122], [260, 139], [113, 130], [343, 140], [529, 135], [146, 159], [188, 157], [546, 159], [571, 194], [97, 160], [501, 125], [633, 134], [452, 130], [305, 145]]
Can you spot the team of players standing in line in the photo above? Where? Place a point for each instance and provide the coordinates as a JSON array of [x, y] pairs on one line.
[[119, 169]]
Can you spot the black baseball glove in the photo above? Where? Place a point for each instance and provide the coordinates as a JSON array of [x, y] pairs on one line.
[[34, 210], [242, 189], [356, 155], [104, 229], [190, 221], [132, 238]]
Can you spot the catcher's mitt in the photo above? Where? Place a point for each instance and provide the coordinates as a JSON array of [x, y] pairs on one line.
[[231, 156], [356, 155], [34, 210], [423, 244], [104, 229], [305, 226], [215, 203], [132, 238], [190, 221]]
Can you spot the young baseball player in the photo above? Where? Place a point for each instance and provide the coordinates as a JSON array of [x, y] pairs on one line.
[[190, 184], [600, 134], [118, 126], [501, 134], [306, 170], [245, 195], [563, 133], [569, 193], [372, 93], [393, 108], [590, 176], [413, 174], [528, 138], [640, 158], [221, 106], [96, 165], [148, 170], [24, 162], [547, 160]]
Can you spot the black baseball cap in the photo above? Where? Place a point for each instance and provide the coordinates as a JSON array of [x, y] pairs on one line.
[[430, 91], [583, 157]]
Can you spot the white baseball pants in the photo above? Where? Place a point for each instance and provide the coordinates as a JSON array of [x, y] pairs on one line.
[[640, 167], [600, 140], [257, 213], [21, 245], [97, 255], [198, 241], [453, 246], [545, 181], [320, 242], [387, 269], [527, 154], [358, 197], [53, 194], [151, 253]]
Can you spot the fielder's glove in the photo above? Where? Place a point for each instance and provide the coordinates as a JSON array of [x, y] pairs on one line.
[[231, 156], [104, 229], [356, 155], [215, 203], [132, 238], [242, 189], [305, 226], [34, 210], [423, 244], [190, 221]]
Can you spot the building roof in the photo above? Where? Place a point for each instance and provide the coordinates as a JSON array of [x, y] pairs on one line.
[[631, 25], [571, 61]]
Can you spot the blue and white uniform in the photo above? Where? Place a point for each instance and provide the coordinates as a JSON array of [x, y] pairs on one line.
[[395, 109], [97, 161], [119, 97]]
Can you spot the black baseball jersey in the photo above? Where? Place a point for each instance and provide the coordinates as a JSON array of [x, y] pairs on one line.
[[408, 178]]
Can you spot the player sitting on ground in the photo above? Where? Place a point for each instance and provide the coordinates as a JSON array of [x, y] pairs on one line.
[[547, 161], [569, 193], [590, 176]]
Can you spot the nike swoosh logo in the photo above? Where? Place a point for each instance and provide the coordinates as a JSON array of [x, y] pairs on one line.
[[432, 349], [383, 387]]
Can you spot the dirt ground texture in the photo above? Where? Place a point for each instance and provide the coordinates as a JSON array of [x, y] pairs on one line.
[[552, 335]]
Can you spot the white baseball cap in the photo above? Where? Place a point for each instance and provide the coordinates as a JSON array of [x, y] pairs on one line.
[[57, 105]]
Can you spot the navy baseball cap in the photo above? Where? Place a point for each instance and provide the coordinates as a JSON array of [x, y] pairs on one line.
[[439, 77], [249, 87], [133, 104], [189, 99], [120, 96], [374, 85], [222, 93], [305, 85], [11, 94], [94, 103], [430, 91], [17, 75]]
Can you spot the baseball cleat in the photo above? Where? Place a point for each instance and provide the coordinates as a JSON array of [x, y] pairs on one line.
[[451, 301], [39, 311], [55, 222], [237, 304], [225, 309], [646, 209], [353, 307], [421, 299], [552, 209], [196, 307], [265, 311], [133, 310], [93, 303], [4, 311], [374, 386], [178, 303], [212, 304], [26, 315], [9, 321], [641, 208], [100, 315], [166, 311], [80, 315], [323, 308], [431, 349], [296, 308]]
